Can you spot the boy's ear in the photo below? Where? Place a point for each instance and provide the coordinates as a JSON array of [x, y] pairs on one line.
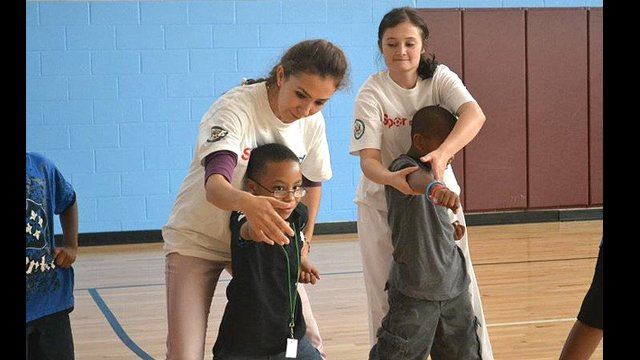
[[251, 185], [417, 141]]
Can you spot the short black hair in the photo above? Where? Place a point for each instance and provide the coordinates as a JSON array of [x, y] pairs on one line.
[[433, 122], [263, 154]]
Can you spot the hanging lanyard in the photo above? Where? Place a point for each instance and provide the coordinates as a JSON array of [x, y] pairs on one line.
[[293, 296]]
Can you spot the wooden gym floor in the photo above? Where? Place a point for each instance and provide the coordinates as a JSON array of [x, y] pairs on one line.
[[532, 279]]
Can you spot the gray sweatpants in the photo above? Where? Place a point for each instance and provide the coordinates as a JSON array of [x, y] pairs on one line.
[[414, 328]]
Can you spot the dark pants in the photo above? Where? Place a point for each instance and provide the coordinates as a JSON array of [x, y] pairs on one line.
[[415, 328], [591, 309], [306, 351], [50, 338]]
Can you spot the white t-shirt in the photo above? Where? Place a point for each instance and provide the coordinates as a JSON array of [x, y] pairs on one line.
[[382, 120], [238, 121]]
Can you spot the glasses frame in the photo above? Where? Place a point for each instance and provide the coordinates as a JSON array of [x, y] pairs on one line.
[[282, 194]]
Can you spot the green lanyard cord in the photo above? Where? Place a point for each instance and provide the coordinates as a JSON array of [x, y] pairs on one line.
[[293, 296]]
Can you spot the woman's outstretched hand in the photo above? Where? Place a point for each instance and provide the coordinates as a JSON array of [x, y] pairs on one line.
[[266, 224]]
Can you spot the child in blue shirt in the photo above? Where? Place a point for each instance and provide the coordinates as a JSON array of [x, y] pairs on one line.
[[49, 275]]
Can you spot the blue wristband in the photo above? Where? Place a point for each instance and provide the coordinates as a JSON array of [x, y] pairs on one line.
[[431, 184]]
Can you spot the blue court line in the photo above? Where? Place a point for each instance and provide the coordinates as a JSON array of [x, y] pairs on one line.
[[115, 325]]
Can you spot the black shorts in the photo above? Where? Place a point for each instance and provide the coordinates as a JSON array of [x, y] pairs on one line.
[[50, 337], [591, 309]]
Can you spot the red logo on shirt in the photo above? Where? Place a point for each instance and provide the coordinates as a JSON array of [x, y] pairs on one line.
[[245, 153], [397, 121]]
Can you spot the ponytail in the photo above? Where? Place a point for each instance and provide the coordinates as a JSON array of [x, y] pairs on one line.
[[427, 66]]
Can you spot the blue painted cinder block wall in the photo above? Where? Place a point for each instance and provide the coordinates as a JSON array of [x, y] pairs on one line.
[[115, 90]]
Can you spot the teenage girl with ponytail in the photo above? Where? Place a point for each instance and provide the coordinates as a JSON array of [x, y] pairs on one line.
[[283, 108], [384, 106]]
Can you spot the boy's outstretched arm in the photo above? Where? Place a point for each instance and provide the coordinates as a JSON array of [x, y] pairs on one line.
[[65, 255], [420, 181]]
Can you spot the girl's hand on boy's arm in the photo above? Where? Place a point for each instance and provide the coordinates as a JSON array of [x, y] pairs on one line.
[[308, 272], [371, 165], [398, 179], [439, 161], [458, 230]]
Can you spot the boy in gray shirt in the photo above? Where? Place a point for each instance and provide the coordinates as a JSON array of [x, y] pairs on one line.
[[430, 310]]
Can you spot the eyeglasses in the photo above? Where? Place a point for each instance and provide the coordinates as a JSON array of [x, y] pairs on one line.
[[282, 194]]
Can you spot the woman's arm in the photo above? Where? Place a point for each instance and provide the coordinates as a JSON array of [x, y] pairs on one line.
[[259, 210], [372, 168], [470, 121]]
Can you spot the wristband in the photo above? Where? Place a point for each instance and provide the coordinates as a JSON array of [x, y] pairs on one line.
[[431, 185], [435, 189], [304, 240], [432, 197]]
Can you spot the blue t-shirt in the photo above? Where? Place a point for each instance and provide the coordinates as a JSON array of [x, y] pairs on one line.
[[49, 287]]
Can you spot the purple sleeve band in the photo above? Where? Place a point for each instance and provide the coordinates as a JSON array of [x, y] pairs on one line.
[[308, 183], [220, 162]]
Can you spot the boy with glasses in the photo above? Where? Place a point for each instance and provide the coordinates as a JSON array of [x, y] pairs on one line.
[[263, 317]]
